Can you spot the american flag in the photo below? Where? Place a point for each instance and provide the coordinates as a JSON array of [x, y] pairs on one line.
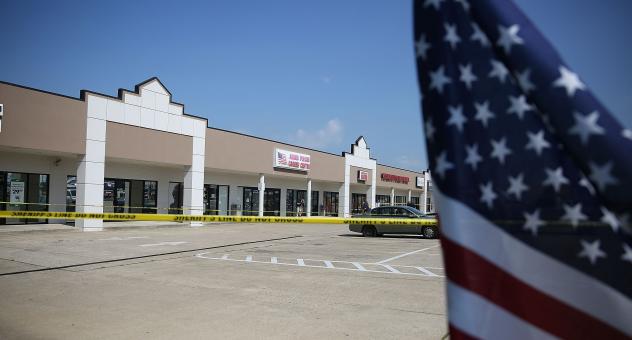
[[533, 179]]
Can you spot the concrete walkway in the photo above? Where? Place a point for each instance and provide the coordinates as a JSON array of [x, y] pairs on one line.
[[106, 225]]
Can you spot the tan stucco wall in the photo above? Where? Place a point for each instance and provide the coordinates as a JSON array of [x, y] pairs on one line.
[[232, 151], [41, 121], [353, 175], [140, 144], [398, 172]]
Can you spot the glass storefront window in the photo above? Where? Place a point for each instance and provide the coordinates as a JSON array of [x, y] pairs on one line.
[[381, 200], [295, 202], [150, 194], [330, 203], [400, 200], [357, 201], [216, 199], [315, 207], [414, 200], [176, 191], [23, 192]]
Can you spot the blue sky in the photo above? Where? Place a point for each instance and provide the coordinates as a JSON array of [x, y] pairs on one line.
[[317, 74]]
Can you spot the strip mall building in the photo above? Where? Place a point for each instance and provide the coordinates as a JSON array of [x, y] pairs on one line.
[[139, 152]]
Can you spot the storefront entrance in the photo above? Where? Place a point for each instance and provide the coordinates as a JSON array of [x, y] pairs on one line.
[[296, 202], [129, 196], [357, 201], [216, 199], [271, 200], [330, 203], [176, 194], [23, 192]]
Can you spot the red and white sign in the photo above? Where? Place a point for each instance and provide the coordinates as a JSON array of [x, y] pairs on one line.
[[291, 160], [363, 175], [395, 178]]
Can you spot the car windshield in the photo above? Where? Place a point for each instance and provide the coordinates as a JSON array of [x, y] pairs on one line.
[[415, 211]]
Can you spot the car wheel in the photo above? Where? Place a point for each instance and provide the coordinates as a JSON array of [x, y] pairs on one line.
[[429, 232], [369, 231]]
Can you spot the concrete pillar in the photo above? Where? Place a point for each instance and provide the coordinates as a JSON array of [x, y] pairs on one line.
[[410, 195], [372, 190], [308, 208], [262, 190], [193, 199], [424, 198], [343, 200], [392, 196], [91, 167]]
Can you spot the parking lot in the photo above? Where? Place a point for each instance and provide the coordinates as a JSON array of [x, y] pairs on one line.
[[220, 281]]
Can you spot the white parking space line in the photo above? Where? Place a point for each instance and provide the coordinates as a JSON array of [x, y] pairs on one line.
[[122, 238], [329, 264], [403, 255], [163, 244]]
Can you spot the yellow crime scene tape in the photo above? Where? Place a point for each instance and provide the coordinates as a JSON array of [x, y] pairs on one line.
[[212, 218]]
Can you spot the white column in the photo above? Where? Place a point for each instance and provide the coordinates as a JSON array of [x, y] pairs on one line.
[[343, 194], [424, 197], [262, 189], [392, 196], [193, 200], [372, 190], [91, 167], [308, 209], [410, 194]]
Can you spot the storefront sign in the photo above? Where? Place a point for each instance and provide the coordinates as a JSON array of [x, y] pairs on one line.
[[363, 175], [291, 160], [419, 182], [17, 192], [395, 178]]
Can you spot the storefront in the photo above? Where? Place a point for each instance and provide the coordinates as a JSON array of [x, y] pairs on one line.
[[138, 152]]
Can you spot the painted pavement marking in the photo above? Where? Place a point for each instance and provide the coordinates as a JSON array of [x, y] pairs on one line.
[[163, 244], [122, 238], [402, 255], [331, 264]]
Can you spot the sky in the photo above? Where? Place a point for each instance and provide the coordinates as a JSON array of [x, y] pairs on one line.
[[316, 74]]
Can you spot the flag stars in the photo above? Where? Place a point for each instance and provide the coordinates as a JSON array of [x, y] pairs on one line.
[[451, 36], [508, 37], [422, 46], [483, 113], [555, 178], [586, 125], [487, 194], [627, 253], [601, 175], [524, 82], [570, 81], [532, 222], [519, 106], [609, 218], [456, 117], [500, 150], [438, 79], [479, 36], [430, 129], [517, 186], [573, 214], [442, 165], [467, 76], [592, 251], [498, 71], [473, 157], [434, 3], [537, 142]]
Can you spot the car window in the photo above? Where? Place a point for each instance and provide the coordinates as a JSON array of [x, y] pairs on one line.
[[377, 211], [401, 212]]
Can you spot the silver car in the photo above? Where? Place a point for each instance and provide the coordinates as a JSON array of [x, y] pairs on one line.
[[378, 229]]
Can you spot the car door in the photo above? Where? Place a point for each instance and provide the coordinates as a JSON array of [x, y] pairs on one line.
[[402, 213]]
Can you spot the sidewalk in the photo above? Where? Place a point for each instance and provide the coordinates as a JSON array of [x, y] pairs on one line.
[[106, 226]]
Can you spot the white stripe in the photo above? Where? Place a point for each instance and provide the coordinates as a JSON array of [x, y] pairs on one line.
[[273, 260], [359, 266], [328, 264], [426, 271], [249, 258], [225, 257], [466, 227], [300, 262], [393, 270], [478, 317], [402, 255]]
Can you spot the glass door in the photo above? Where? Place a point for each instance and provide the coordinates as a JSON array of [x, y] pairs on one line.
[[222, 199], [357, 201], [136, 197], [176, 191], [330, 203], [315, 210], [16, 193], [251, 202], [272, 202]]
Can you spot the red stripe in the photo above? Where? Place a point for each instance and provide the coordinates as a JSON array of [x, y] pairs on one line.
[[472, 272], [457, 334]]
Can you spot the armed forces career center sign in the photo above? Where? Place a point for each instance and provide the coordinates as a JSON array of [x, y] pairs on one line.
[[291, 160]]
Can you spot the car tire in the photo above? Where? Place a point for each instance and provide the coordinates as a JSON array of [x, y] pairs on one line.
[[429, 232], [369, 231]]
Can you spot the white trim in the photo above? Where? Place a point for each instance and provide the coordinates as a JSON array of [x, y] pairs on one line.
[[474, 315], [466, 227]]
